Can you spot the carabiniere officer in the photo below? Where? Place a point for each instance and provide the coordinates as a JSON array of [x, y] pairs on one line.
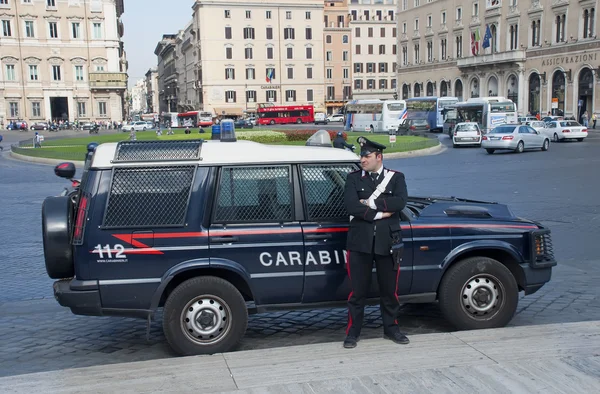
[[374, 197]]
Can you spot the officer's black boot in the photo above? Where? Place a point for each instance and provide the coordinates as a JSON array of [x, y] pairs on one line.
[[350, 342], [397, 337]]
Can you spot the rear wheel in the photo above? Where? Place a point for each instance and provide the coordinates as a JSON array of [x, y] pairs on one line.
[[490, 151], [57, 217], [579, 139], [520, 147], [272, 122], [298, 120], [478, 292], [204, 315], [555, 137], [546, 145]]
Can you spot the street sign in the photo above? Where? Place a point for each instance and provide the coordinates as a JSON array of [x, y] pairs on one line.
[[554, 102], [392, 139]]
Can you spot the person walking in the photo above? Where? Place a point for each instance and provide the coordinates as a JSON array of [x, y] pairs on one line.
[[374, 197], [594, 118]]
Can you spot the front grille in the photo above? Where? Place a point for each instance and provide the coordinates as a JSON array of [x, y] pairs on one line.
[[543, 250]]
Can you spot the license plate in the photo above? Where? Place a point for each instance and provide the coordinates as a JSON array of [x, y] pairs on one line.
[[494, 138]]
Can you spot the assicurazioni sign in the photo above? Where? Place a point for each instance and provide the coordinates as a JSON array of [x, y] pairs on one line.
[[559, 60]]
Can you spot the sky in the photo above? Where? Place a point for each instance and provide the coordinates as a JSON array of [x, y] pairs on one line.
[[145, 21]]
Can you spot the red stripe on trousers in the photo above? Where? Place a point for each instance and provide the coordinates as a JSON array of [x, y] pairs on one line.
[[350, 295], [396, 291]]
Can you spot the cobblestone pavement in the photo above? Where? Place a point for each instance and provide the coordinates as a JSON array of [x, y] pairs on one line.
[[555, 187]]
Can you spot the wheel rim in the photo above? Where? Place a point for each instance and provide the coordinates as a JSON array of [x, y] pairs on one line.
[[555, 137], [482, 297], [546, 144], [520, 147], [206, 319]]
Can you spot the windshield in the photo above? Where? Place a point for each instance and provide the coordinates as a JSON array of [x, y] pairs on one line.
[[502, 107], [421, 105], [466, 127], [395, 107], [503, 130], [443, 103]]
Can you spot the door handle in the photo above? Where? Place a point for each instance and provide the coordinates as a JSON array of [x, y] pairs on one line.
[[226, 239], [318, 236]]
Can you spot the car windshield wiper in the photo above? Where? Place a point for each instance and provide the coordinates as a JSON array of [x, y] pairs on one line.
[[452, 198]]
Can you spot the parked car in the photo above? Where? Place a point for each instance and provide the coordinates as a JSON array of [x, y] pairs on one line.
[[524, 119], [336, 118], [537, 125], [466, 133], [517, 138], [413, 126], [214, 231], [137, 126], [17, 125], [87, 125], [40, 126], [320, 118], [243, 124], [561, 130]]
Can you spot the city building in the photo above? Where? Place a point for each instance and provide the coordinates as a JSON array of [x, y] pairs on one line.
[[338, 55], [374, 48], [62, 60], [138, 97], [151, 81], [167, 74], [542, 54], [186, 55], [258, 52]]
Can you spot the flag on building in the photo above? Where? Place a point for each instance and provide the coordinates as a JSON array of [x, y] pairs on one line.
[[487, 37], [477, 40], [270, 74], [473, 46]]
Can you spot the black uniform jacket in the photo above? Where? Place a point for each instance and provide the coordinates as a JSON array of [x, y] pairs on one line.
[[363, 225]]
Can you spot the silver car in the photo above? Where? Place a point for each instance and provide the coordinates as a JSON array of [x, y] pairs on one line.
[[514, 137]]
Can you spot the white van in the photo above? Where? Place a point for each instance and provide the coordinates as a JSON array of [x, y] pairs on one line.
[[320, 118]]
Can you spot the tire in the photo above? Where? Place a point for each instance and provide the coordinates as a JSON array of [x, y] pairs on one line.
[[221, 298], [490, 151], [298, 121], [483, 277], [272, 122], [57, 219], [520, 147], [579, 139], [555, 138], [546, 145]]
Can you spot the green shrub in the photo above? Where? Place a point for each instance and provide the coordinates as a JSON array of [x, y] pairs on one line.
[[264, 137]]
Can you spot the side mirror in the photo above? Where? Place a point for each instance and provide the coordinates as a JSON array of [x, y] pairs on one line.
[[65, 170]]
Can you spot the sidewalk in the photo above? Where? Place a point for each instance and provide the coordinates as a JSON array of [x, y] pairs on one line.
[[555, 358]]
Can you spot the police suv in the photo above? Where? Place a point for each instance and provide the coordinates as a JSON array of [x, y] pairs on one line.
[[212, 230]]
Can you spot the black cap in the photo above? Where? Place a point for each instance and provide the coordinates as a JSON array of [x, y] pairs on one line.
[[367, 147]]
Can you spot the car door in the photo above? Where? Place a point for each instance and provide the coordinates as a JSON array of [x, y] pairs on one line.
[[254, 229], [537, 139], [525, 136], [325, 229]]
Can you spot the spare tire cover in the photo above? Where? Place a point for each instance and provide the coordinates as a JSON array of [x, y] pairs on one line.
[[57, 218]]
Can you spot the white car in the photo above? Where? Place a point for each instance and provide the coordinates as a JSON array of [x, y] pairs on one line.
[[561, 130], [137, 126], [335, 118], [466, 133], [538, 125], [515, 137], [320, 118]]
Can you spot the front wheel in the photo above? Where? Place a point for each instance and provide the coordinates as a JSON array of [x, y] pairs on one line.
[[298, 120], [579, 139], [546, 145], [204, 315], [490, 151], [477, 293], [520, 147], [272, 122]]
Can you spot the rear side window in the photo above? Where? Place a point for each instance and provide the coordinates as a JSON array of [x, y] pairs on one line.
[[323, 187], [149, 197], [254, 194]]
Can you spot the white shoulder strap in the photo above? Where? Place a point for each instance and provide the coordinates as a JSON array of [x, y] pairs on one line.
[[381, 187]]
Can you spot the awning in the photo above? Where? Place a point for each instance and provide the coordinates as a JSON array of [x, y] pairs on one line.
[[228, 111]]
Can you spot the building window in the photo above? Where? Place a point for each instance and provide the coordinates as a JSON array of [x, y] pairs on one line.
[[290, 53], [357, 49], [248, 53], [444, 48], [394, 32], [14, 109], [290, 95], [327, 39], [383, 67], [51, 3], [36, 110], [99, 67], [290, 73], [56, 73], [289, 33], [535, 33], [382, 32], [329, 73], [307, 15], [370, 32], [429, 51], [53, 29], [370, 67], [267, 14], [514, 36], [458, 14], [560, 23], [475, 9], [271, 96], [347, 92], [370, 84], [230, 96], [250, 73], [248, 14], [383, 84], [308, 33], [370, 49], [404, 28], [309, 95], [404, 55], [309, 73], [81, 109], [229, 73], [429, 21], [416, 51], [251, 96], [443, 17], [102, 108], [345, 73], [269, 52], [382, 49], [79, 73], [227, 32], [345, 56], [6, 30], [358, 84], [229, 53], [288, 15], [459, 46], [227, 14], [29, 29], [269, 33], [75, 30], [329, 56], [589, 20], [308, 52], [358, 67], [33, 72], [357, 32], [97, 28], [417, 24], [249, 33]]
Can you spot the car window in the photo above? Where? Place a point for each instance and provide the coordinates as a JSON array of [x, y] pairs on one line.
[[323, 187], [531, 130], [503, 130], [466, 127], [254, 194]]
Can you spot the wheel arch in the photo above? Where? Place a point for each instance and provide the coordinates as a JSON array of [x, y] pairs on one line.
[[228, 270]]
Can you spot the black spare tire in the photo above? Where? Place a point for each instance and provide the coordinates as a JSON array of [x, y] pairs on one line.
[[57, 219]]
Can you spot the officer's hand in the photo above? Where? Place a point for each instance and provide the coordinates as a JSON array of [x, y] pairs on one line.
[[386, 215]]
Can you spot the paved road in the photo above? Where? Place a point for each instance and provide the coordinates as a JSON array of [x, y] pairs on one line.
[[558, 188]]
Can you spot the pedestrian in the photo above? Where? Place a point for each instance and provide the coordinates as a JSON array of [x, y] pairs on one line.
[[594, 118], [584, 119], [187, 130], [37, 140], [1, 147], [374, 197], [170, 130]]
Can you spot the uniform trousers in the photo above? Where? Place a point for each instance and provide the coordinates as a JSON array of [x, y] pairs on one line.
[[360, 271]]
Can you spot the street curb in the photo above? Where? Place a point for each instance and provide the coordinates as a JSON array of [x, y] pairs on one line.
[[42, 160], [434, 150]]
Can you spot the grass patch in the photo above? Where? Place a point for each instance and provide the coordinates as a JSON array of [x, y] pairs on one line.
[[75, 148]]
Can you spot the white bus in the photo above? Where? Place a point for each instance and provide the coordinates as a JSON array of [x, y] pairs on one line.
[[374, 116], [488, 112], [171, 119], [430, 108]]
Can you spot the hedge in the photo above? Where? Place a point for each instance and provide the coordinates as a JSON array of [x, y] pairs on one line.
[[303, 135], [264, 137]]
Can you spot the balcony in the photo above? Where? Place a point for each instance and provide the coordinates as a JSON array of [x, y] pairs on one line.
[[107, 80], [493, 58]]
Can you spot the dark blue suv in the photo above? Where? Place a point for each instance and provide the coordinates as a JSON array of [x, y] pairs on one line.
[[213, 230]]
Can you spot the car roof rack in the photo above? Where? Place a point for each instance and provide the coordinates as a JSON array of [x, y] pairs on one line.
[[157, 151]]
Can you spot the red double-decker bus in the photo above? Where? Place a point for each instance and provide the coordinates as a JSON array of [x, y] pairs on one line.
[[271, 114]]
